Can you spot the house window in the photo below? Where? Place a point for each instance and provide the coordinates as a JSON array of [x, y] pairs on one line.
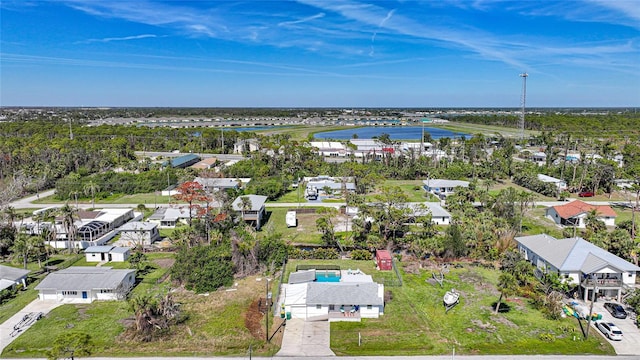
[[332, 307], [318, 306], [629, 274], [369, 307], [69, 293], [106, 291]]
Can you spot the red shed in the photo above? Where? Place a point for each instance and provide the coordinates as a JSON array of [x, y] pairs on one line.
[[383, 258]]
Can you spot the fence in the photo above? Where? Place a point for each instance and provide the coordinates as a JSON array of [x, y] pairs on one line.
[[317, 267]]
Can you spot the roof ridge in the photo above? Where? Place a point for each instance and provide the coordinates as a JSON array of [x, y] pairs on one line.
[[577, 240]]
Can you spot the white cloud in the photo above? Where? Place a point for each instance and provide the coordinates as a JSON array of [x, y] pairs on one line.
[[125, 38]]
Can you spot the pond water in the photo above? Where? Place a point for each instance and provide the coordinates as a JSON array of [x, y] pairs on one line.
[[395, 132]]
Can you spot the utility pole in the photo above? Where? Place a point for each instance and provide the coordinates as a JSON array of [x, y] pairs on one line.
[[523, 101], [267, 311], [593, 299]]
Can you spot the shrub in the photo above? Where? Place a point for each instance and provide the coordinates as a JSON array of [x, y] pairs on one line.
[[361, 255]]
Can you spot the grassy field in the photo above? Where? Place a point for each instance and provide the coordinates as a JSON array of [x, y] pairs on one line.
[[216, 323], [148, 199], [483, 129], [415, 323], [413, 189], [305, 233]]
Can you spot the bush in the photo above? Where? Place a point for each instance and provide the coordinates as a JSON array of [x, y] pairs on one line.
[[361, 255], [318, 254]]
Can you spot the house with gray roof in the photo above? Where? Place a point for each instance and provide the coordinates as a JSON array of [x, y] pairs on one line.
[[138, 233], [439, 215], [353, 297], [443, 187], [10, 277], [107, 253], [85, 284], [580, 262], [169, 217], [255, 212]]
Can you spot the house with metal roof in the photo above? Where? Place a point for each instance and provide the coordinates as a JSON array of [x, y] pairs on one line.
[[138, 233], [107, 253], [183, 161], [255, 212], [443, 186], [85, 284], [216, 184], [169, 217], [10, 277], [575, 212], [205, 164], [559, 183], [581, 263], [439, 215], [352, 297]]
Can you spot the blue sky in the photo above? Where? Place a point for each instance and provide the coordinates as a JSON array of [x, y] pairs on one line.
[[319, 53]]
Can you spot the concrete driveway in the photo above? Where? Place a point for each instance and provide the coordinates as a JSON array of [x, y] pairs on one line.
[[305, 338], [630, 344], [7, 331]]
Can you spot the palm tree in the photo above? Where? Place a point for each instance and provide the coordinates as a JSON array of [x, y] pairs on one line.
[[245, 204], [507, 285], [69, 215], [91, 188]]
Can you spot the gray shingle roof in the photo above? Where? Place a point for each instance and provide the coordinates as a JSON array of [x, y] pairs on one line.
[[84, 278], [138, 226], [573, 254], [343, 293], [11, 273]]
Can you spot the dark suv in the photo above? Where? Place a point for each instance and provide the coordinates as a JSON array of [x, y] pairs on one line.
[[616, 310]]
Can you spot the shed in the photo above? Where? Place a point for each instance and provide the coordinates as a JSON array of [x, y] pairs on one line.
[[383, 259]]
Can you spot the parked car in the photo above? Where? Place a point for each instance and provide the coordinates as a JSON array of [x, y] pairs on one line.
[[610, 330], [586, 194], [616, 310]]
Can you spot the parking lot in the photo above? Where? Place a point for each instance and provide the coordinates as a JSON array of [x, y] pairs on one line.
[[630, 344]]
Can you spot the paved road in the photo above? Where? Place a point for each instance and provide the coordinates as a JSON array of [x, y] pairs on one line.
[[440, 357]]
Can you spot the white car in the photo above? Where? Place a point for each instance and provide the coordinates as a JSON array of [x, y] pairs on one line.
[[610, 330]]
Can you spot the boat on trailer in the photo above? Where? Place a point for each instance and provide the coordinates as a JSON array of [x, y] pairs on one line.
[[451, 299]]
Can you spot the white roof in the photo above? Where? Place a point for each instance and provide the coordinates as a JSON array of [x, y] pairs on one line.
[[440, 183], [548, 179], [138, 226], [11, 273], [327, 145]]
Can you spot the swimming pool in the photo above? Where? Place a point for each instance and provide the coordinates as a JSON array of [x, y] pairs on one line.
[[327, 276]]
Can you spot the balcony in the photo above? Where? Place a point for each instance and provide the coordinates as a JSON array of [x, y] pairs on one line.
[[602, 283]]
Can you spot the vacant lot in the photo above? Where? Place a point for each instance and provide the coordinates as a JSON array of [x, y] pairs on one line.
[[415, 322], [222, 323]]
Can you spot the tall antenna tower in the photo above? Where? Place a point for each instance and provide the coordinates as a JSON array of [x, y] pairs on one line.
[[523, 101]]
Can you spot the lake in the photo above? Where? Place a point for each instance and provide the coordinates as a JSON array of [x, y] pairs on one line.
[[395, 132]]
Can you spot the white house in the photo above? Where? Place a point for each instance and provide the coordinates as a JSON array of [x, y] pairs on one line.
[[215, 184], [93, 228], [138, 233], [336, 184], [10, 277], [575, 212], [169, 217], [560, 184], [84, 284], [443, 186], [107, 253], [329, 148], [581, 263], [255, 212], [439, 215], [354, 297]]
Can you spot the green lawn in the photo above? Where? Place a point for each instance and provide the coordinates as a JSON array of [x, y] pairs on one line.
[[413, 189], [415, 323], [305, 233], [148, 199], [22, 299]]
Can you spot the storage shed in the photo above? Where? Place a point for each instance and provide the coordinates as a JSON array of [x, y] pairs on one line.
[[383, 259]]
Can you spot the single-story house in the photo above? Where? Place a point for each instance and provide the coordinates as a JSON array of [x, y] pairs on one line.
[[10, 277], [84, 284], [93, 228], [337, 184], [205, 164], [439, 215], [560, 184], [329, 148], [443, 186], [138, 233], [183, 161], [575, 212], [581, 263], [169, 217], [256, 212], [354, 297], [107, 253], [215, 184], [539, 157]]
